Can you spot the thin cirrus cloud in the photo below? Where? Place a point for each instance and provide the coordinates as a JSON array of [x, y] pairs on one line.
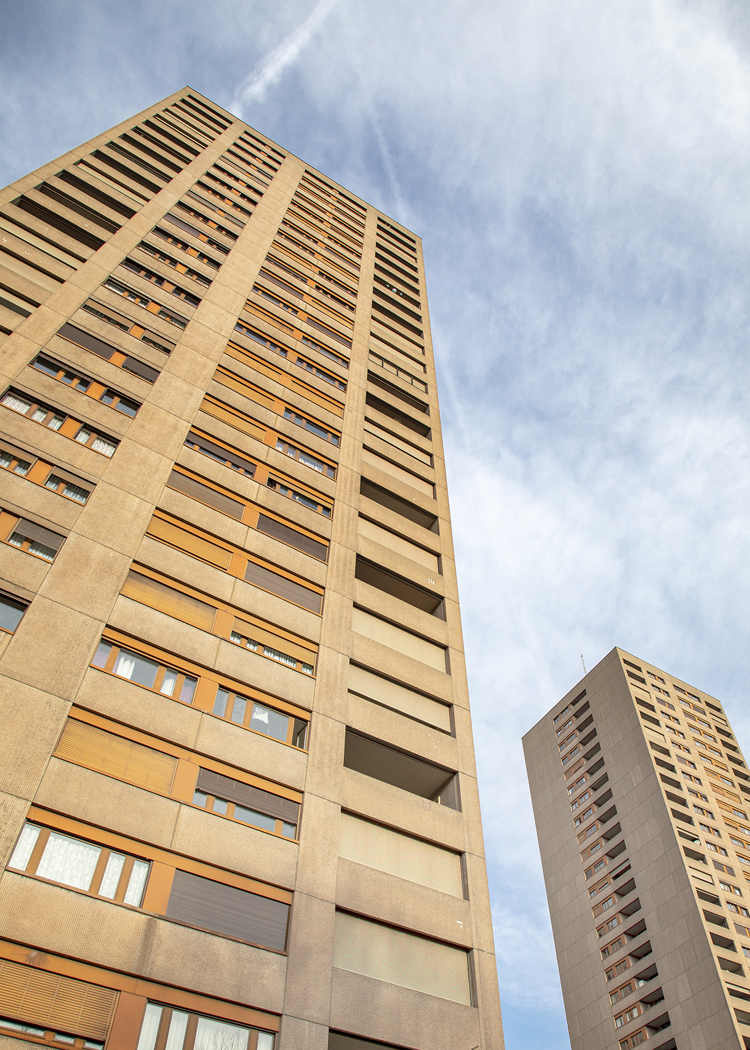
[[579, 175]]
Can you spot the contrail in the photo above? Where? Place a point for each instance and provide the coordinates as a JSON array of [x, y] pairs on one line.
[[255, 85]]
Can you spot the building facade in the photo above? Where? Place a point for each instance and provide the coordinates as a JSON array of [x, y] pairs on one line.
[[642, 805], [239, 798]]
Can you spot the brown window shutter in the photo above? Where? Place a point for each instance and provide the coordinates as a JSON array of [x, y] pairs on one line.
[[285, 588], [206, 495], [274, 641], [169, 600], [282, 532], [55, 1002], [247, 795], [30, 531], [188, 542], [225, 909], [117, 757]]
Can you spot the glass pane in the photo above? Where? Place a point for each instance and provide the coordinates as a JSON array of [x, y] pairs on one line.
[[238, 711], [16, 403], [220, 705], [150, 1027], [100, 445], [188, 690], [41, 550], [258, 820], [170, 680], [265, 1041], [289, 830], [137, 883], [55, 422], [22, 468], [111, 877], [102, 654], [273, 723], [218, 1035], [83, 435], [177, 1028], [220, 806], [10, 613], [199, 798], [68, 860], [22, 852], [136, 668]]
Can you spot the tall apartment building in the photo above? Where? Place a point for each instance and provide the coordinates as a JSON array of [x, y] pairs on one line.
[[642, 805], [237, 779]]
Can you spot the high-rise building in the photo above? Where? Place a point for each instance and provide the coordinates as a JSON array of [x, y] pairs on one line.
[[642, 805], [239, 799]]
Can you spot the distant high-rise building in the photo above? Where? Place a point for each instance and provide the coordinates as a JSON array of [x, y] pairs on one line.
[[237, 778], [642, 805]]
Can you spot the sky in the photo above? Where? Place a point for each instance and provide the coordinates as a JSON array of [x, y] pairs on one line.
[[579, 174]]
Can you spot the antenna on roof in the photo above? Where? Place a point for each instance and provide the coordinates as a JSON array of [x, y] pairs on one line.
[[580, 653]]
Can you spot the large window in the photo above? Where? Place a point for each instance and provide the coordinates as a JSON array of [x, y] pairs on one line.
[[80, 864], [176, 1030]]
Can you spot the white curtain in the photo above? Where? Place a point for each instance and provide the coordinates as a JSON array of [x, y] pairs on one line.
[[111, 877], [22, 852], [69, 860], [177, 1029], [218, 1035], [136, 883], [150, 1027]]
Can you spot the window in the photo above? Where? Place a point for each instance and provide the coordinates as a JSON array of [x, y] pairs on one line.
[[250, 640], [29, 537], [567, 725], [142, 671], [583, 816], [88, 437], [716, 849], [726, 886], [610, 949], [91, 387], [634, 1040], [695, 780], [621, 967], [48, 417], [82, 865], [66, 488], [305, 457], [178, 1030], [298, 496], [170, 316], [314, 428], [261, 719], [11, 612], [704, 812], [564, 712], [246, 803], [686, 762], [739, 909], [710, 831]]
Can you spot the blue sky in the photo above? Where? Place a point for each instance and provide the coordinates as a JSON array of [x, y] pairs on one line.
[[579, 173]]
